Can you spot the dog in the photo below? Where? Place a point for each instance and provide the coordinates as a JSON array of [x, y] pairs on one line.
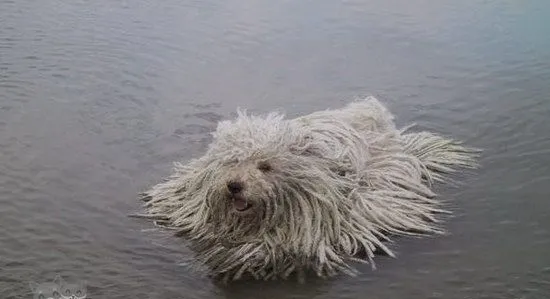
[[274, 196]]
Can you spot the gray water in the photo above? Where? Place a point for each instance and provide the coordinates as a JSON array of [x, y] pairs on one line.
[[97, 98]]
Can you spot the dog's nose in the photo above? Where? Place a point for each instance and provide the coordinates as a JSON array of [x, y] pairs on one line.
[[235, 186]]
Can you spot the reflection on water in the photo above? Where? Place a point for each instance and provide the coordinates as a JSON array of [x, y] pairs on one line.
[[98, 98]]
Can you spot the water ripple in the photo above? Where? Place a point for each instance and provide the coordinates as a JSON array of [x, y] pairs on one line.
[[98, 99]]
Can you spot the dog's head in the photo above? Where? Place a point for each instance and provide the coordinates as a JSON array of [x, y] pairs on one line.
[[253, 167], [261, 174]]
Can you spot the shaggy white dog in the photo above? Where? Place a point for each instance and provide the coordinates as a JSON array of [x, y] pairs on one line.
[[275, 196]]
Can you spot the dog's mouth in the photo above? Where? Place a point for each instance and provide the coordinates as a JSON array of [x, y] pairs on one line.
[[240, 203]]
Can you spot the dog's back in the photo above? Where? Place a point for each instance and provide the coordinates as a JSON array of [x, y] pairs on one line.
[[364, 115]]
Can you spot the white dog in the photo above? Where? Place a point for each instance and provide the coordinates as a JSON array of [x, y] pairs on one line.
[[275, 196]]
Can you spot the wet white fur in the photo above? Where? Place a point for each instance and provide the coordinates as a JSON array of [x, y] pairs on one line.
[[342, 181]]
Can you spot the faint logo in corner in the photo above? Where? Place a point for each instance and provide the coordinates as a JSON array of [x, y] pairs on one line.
[[58, 289]]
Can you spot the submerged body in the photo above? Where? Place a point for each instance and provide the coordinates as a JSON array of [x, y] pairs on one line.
[[274, 196]]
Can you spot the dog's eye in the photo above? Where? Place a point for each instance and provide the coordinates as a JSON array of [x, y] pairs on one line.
[[264, 166]]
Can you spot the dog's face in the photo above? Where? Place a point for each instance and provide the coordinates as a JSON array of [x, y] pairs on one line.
[[260, 174], [249, 160], [250, 184]]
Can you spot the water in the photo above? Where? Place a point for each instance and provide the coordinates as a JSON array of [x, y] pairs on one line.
[[97, 98]]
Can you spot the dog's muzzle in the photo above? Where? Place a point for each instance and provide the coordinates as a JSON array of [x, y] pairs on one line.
[[240, 203]]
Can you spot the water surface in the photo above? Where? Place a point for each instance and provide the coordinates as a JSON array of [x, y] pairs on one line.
[[97, 98]]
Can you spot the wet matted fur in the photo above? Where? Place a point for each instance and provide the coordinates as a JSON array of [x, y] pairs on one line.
[[275, 196]]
